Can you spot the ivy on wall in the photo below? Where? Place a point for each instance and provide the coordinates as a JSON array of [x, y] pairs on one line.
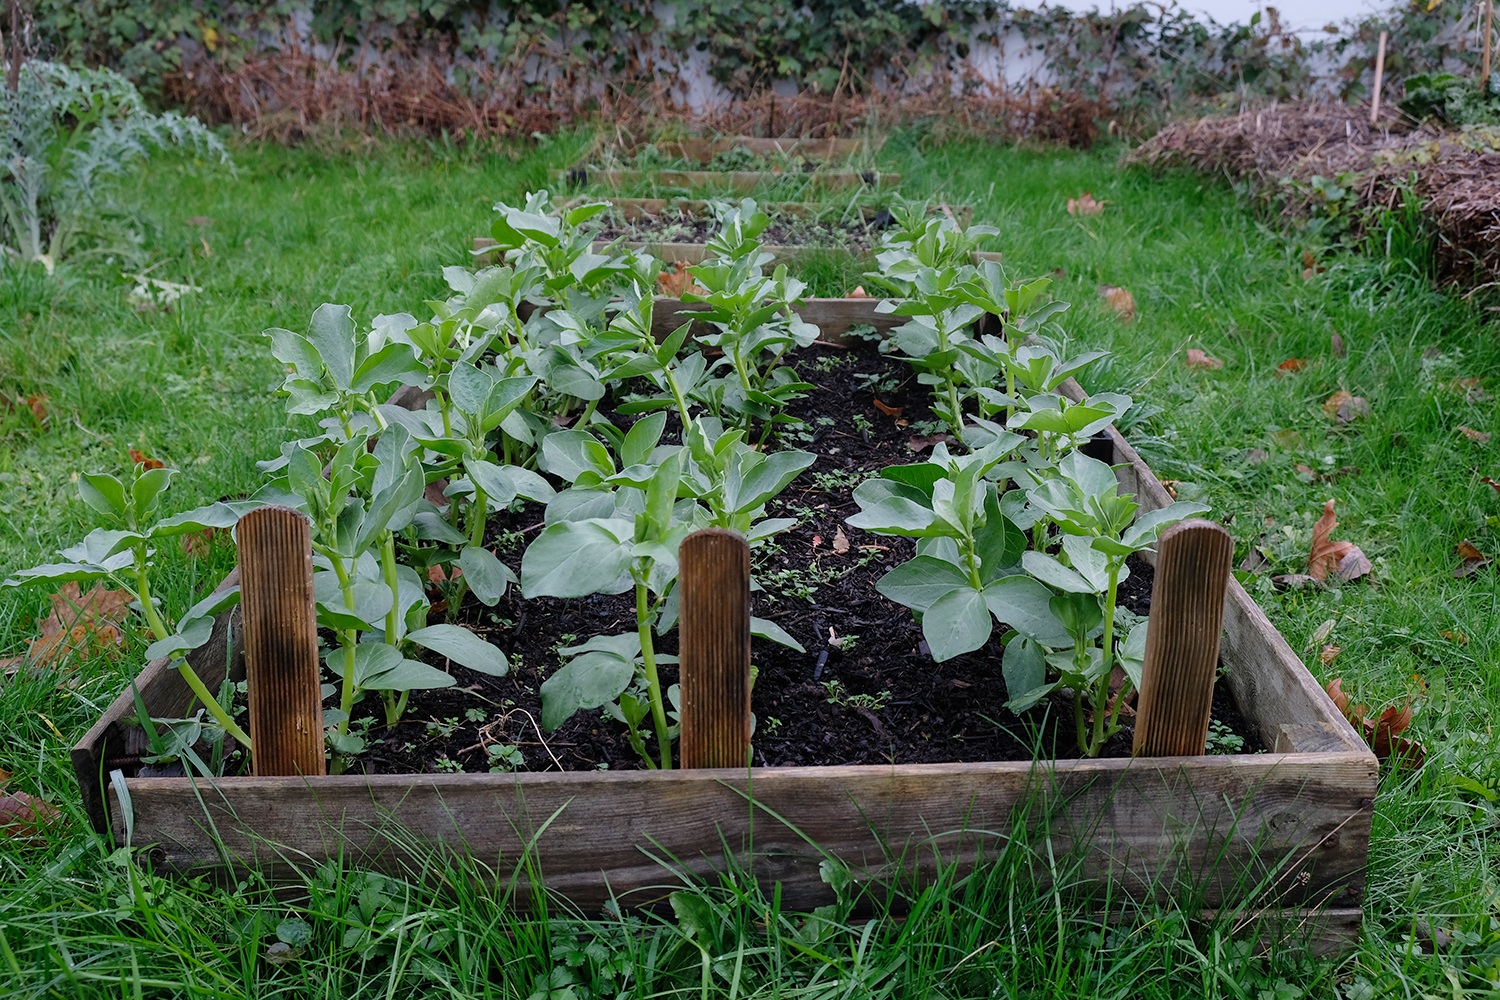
[[1137, 58]]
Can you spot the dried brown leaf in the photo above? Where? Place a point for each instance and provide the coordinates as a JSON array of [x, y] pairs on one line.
[[1343, 559], [1290, 365], [147, 464], [1120, 300], [840, 541], [1198, 359], [1329, 654], [80, 624], [919, 443], [23, 816], [890, 411], [1473, 559], [1477, 436], [858, 293], [1336, 346], [1085, 204]]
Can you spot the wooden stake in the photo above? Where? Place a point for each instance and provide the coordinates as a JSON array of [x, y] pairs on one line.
[[1182, 640], [281, 642], [1379, 75], [1489, 31], [714, 649]]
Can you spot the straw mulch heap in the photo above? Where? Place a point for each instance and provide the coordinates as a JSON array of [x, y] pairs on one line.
[[1455, 175]]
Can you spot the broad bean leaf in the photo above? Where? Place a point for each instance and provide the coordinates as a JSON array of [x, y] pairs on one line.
[[958, 622], [1023, 604], [462, 647], [578, 558], [488, 577], [920, 581], [1024, 668], [587, 681]]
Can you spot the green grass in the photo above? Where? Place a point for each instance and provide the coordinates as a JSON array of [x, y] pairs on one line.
[[296, 228]]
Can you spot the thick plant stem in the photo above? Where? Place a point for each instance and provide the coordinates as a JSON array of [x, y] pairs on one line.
[[682, 408], [143, 594], [1078, 720], [477, 516], [653, 684], [1101, 693], [388, 565], [347, 639]]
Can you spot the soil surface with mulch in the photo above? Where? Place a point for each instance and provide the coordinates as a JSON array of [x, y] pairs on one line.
[[865, 691]]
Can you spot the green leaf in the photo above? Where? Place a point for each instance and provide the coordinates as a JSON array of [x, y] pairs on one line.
[[767, 629], [578, 558], [104, 493], [765, 481], [999, 544], [296, 350], [1090, 562], [462, 647], [392, 363], [224, 514], [488, 577], [661, 494], [331, 333], [1024, 668], [493, 479], [1133, 654], [587, 681], [469, 387], [643, 437], [1047, 569], [921, 475], [569, 454], [1148, 526], [1079, 614], [191, 635], [1024, 605], [371, 602], [891, 508], [958, 622], [920, 581]]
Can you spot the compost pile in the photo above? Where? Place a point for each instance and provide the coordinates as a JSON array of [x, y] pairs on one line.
[[1454, 174]]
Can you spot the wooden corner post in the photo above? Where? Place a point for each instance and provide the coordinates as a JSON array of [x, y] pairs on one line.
[[281, 642], [714, 648], [1182, 640]]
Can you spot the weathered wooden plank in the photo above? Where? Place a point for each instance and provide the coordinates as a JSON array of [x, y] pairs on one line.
[[704, 150], [713, 648], [734, 181], [1299, 826]]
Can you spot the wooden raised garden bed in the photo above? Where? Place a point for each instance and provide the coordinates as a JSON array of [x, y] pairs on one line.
[[704, 150], [1286, 830], [728, 181]]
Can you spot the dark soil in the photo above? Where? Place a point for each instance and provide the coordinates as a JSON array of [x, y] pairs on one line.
[[865, 692], [675, 227]]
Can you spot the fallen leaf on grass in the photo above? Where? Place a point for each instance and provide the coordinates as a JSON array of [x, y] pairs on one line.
[[858, 293], [1170, 485], [1198, 359], [840, 541], [147, 464], [1120, 300], [890, 411], [1470, 389], [1480, 436], [1345, 407], [1457, 637], [1336, 346], [1310, 266], [1384, 733], [1329, 654], [1085, 204], [1343, 559], [23, 816], [1491, 484], [1255, 456], [83, 624], [36, 404], [1293, 581], [1289, 366], [1473, 559]]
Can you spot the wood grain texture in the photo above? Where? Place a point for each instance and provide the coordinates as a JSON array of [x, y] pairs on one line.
[[281, 642], [724, 181], [1281, 829], [714, 649], [1193, 559]]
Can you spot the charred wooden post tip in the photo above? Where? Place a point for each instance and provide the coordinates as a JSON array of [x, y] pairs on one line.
[[1182, 640], [281, 642], [714, 648]]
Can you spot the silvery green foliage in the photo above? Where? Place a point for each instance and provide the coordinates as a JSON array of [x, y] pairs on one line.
[[66, 135]]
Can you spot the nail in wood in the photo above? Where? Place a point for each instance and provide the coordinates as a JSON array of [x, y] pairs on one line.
[[714, 648], [281, 642], [1182, 640]]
